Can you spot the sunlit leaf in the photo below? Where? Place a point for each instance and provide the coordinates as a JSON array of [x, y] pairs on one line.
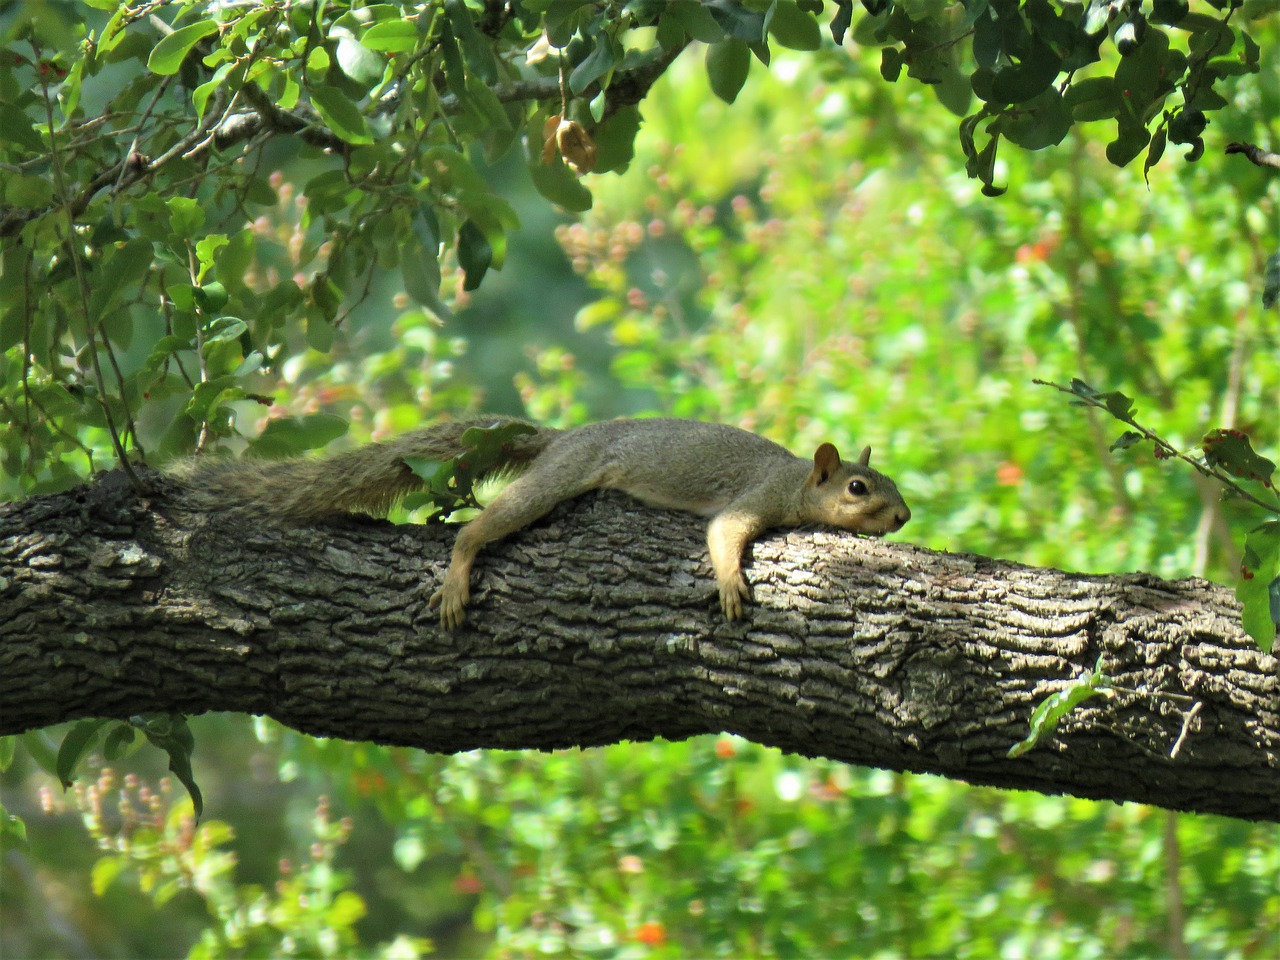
[[341, 114], [167, 56]]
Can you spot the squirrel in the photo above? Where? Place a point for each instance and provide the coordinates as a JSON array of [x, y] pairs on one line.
[[743, 482]]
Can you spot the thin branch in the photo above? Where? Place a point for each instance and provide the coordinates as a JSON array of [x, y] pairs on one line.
[[1186, 725], [1255, 154], [1169, 449]]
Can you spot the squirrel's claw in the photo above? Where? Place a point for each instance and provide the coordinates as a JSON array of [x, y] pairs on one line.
[[452, 603], [733, 592]]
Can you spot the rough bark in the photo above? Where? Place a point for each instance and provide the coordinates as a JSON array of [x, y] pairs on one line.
[[600, 624]]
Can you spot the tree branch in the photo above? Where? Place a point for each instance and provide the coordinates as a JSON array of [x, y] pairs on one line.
[[600, 624], [1255, 154]]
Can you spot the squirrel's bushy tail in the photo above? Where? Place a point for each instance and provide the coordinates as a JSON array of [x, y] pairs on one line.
[[368, 479]]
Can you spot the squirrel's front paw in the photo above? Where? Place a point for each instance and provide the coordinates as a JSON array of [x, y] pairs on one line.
[[733, 591], [452, 601]]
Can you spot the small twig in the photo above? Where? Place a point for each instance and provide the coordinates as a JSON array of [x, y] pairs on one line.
[[77, 266], [1152, 693], [1166, 446], [1255, 154], [1186, 726]]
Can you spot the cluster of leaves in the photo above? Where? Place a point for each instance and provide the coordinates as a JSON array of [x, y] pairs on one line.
[[151, 843], [719, 847], [1034, 81], [1228, 457], [146, 297], [449, 485], [168, 732]]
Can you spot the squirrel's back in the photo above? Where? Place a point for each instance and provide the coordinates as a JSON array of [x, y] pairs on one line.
[[681, 464], [369, 478]]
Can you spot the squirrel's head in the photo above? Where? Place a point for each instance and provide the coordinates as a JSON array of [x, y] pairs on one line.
[[852, 496]]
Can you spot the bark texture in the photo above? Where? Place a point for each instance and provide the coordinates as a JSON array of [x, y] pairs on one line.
[[601, 624]]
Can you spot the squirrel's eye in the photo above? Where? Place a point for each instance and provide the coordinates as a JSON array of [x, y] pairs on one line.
[[857, 488]]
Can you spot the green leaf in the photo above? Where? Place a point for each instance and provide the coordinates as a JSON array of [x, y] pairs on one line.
[[420, 270], [842, 20], [391, 36], [1231, 449], [206, 249], [1271, 281], [1126, 440], [737, 20], [341, 115], [104, 872], [449, 483], [475, 254], [478, 50], [79, 740], [890, 63], [290, 436], [1049, 712], [1092, 99], [359, 62], [172, 735], [32, 193], [1169, 11], [450, 170], [12, 829], [126, 267], [728, 64], [318, 63], [186, 216], [1258, 588], [794, 28], [1029, 78], [40, 751], [120, 737], [615, 140], [1113, 401], [559, 184], [431, 472], [8, 745], [1154, 153], [167, 56], [1040, 122], [211, 297], [599, 62], [697, 22], [223, 329], [18, 129], [328, 192]]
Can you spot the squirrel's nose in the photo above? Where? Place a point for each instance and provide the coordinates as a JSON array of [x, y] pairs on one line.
[[901, 516]]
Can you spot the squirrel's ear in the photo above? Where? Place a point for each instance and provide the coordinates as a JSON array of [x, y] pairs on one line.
[[826, 461], [865, 459]]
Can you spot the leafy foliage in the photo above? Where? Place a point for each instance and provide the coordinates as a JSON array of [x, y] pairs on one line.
[[1227, 454], [1259, 585], [147, 295], [152, 845], [169, 732], [449, 485], [710, 847]]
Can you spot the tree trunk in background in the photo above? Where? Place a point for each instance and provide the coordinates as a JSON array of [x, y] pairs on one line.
[[601, 624]]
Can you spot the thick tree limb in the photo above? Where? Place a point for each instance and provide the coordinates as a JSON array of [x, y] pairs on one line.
[[600, 624]]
